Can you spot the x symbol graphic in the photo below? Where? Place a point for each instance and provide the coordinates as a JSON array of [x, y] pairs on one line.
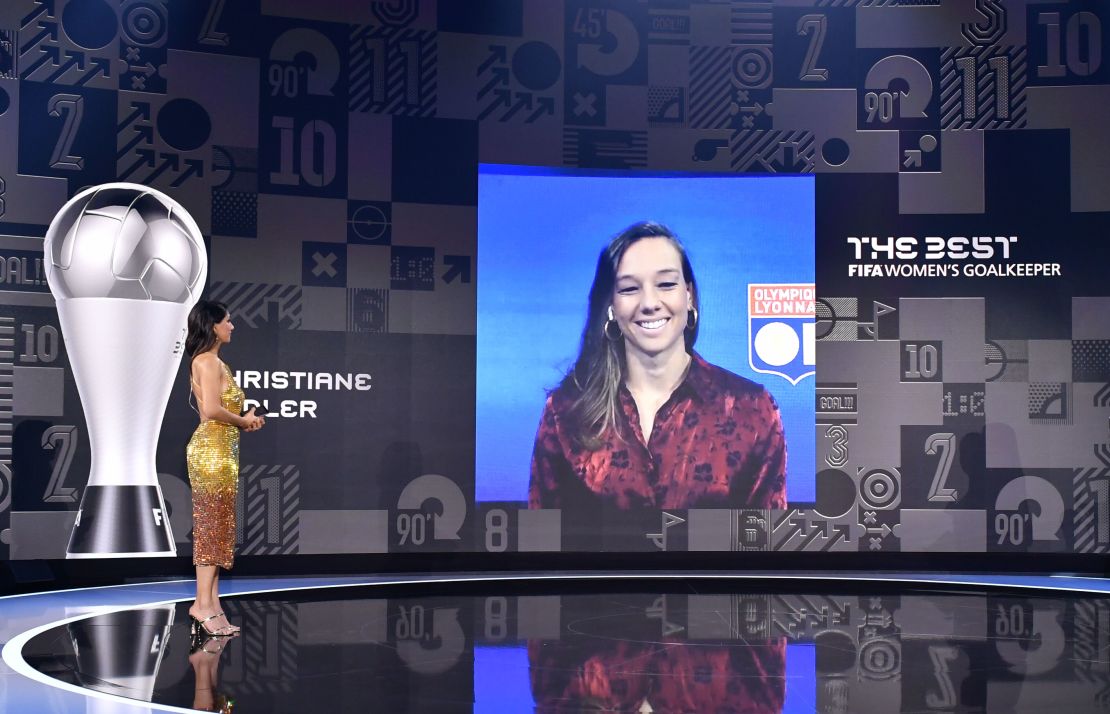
[[584, 104], [324, 264]]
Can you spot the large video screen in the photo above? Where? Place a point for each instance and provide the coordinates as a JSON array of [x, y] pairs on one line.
[[749, 244]]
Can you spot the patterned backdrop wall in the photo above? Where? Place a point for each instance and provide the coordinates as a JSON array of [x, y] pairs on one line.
[[329, 152]]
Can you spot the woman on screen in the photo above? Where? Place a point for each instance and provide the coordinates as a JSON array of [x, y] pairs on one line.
[[641, 420], [213, 461]]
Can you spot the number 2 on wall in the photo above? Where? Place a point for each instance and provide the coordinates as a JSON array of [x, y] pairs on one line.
[[815, 26], [73, 107], [946, 442]]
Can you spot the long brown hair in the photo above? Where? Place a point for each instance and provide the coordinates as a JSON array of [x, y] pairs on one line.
[[597, 374]]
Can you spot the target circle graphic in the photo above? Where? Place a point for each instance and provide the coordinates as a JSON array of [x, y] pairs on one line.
[[144, 23], [751, 67], [879, 489], [880, 659], [396, 12]]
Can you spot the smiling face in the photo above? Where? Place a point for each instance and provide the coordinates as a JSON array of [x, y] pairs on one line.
[[651, 298], [223, 330]]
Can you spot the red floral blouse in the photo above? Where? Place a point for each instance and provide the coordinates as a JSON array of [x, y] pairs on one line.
[[717, 442], [670, 676]]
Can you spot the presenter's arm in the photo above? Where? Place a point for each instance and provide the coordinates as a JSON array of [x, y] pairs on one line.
[[761, 482], [547, 462], [208, 376]]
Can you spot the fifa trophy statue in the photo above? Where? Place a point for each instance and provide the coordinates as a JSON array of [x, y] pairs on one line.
[[125, 264]]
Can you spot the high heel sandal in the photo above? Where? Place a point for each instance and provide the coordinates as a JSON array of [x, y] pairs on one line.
[[197, 627], [199, 643], [235, 628]]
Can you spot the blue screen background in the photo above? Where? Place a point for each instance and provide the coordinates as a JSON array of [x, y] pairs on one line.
[[539, 234], [501, 679]]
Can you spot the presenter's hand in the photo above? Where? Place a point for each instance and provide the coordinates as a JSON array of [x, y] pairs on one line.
[[254, 422]]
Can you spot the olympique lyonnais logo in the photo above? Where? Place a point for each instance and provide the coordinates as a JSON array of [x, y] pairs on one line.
[[781, 330]]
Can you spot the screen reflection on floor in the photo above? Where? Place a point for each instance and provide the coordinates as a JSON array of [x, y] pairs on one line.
[[617, 651]]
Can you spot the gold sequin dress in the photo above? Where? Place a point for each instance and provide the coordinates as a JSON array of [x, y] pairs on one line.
[[213, 458]]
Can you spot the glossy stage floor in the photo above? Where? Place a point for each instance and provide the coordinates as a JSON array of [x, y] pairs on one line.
[[684, 642]]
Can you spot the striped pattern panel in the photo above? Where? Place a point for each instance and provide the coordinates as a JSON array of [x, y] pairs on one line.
[[269, 655], [801, 618], [257, 304], [1091, 494], [751, 22], [392, 71], [806, 529], [1086, 631], [605, 149], [999, 72], [268, 522], [367, 310], [876, 3], [772, 151], [710, 87]]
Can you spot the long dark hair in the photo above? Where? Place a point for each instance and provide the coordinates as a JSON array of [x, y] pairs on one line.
[[205, 315], [597, 374]]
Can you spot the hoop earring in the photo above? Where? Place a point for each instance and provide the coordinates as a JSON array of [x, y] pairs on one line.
[[694, 312], [611, 321]]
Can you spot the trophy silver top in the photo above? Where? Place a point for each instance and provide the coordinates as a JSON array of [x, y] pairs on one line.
[[123, 240]]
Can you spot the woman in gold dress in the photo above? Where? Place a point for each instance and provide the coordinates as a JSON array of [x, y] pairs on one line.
[[213, 458]]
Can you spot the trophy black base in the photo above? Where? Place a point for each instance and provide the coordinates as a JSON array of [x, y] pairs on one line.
[[121, 522], [121, 652]]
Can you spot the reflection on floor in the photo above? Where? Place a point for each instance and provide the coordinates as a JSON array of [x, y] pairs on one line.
[[688, 646]]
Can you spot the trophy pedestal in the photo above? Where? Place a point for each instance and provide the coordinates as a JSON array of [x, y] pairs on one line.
[[122, 521], [121, 653]]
